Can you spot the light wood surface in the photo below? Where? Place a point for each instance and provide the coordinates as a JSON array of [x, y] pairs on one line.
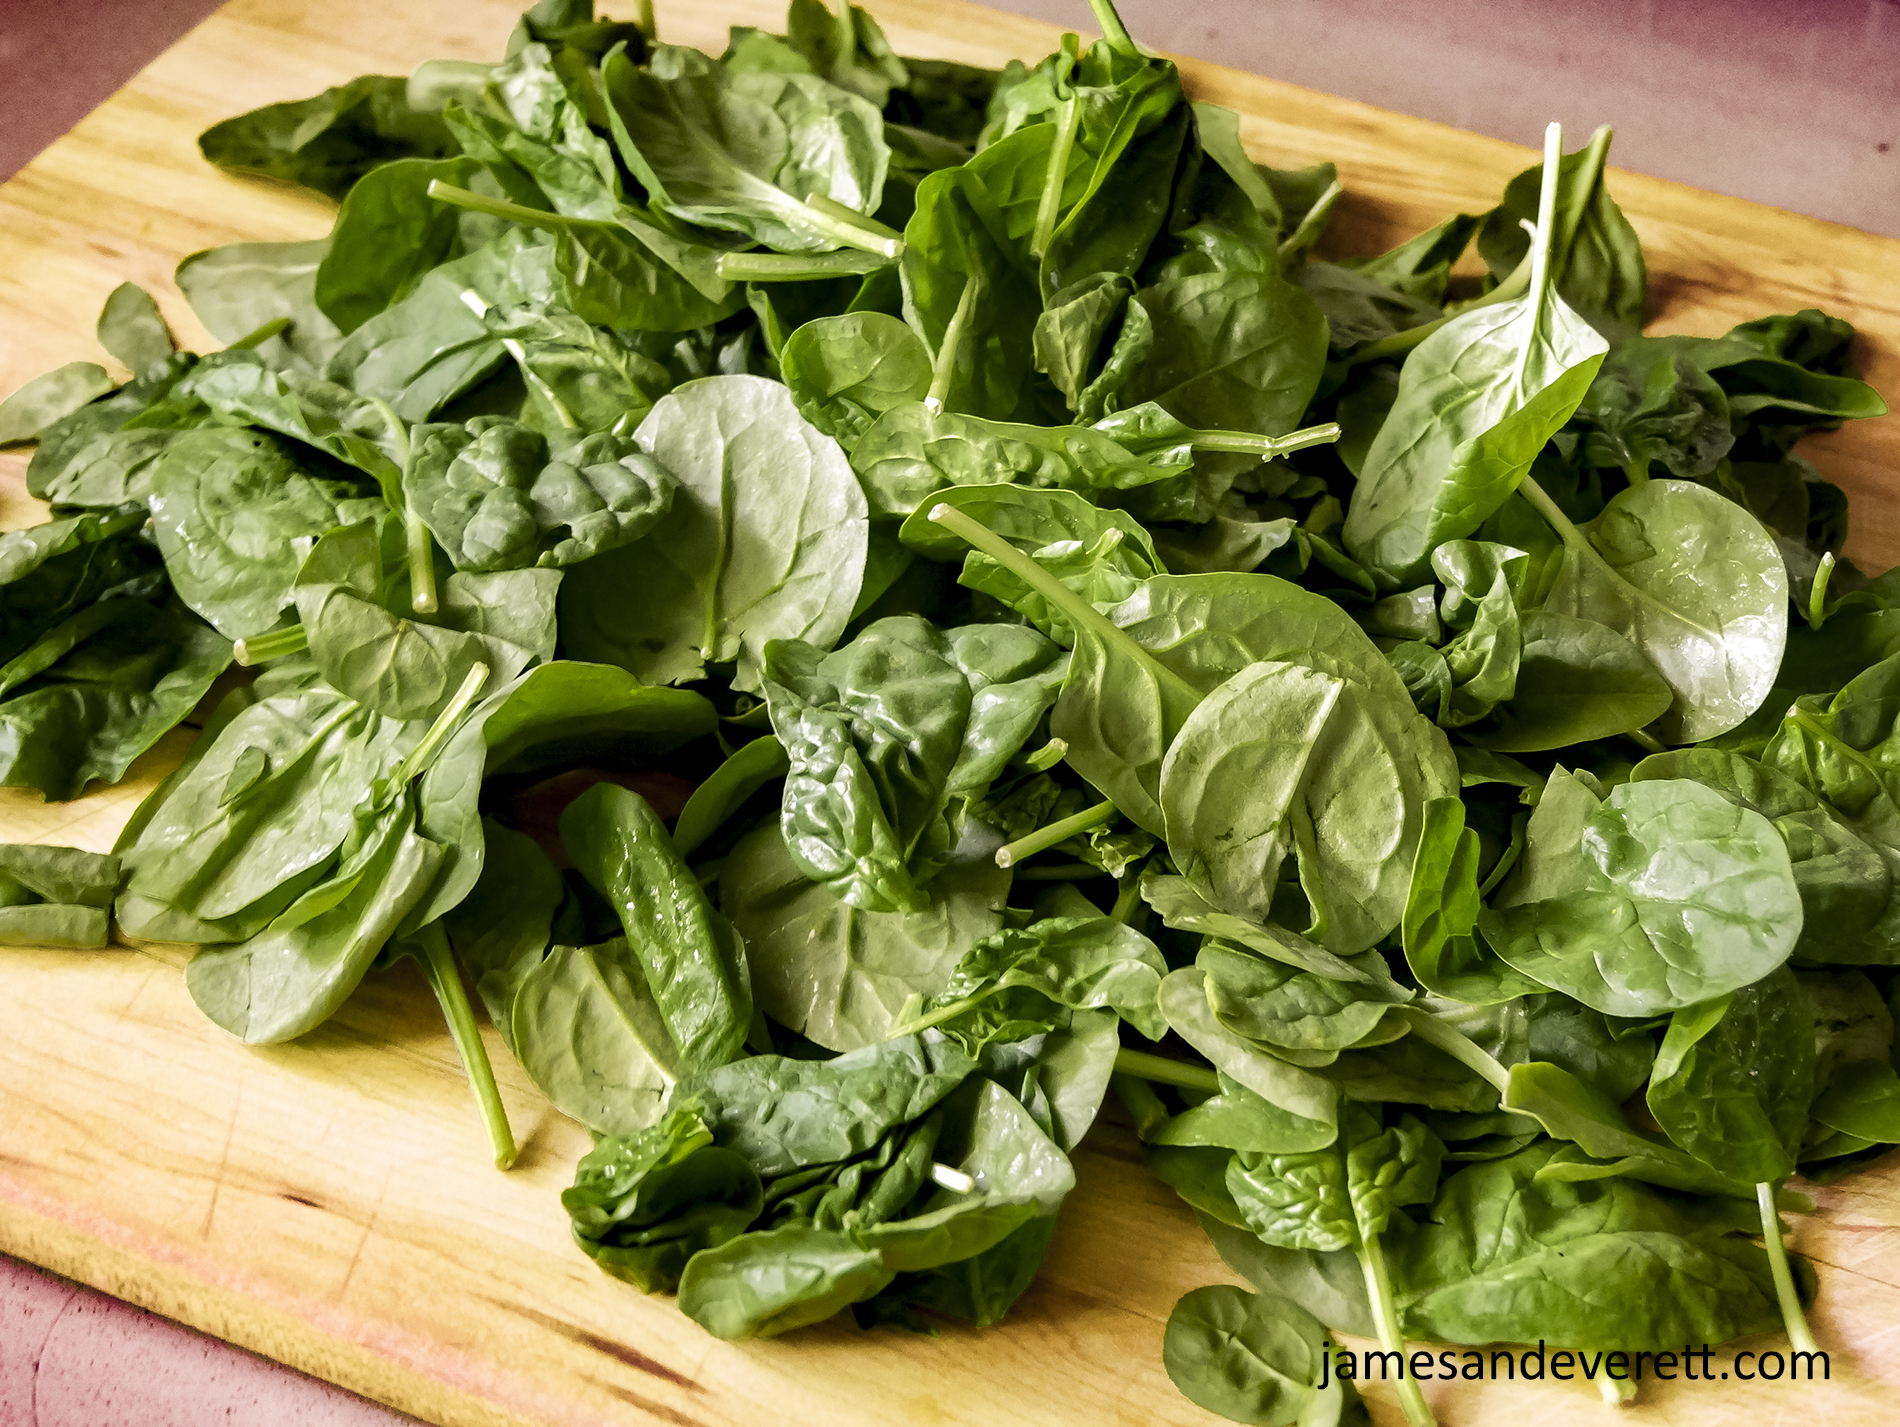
[[329, 1204]]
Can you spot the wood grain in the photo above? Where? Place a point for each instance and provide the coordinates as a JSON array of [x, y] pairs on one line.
[[328, 1203]]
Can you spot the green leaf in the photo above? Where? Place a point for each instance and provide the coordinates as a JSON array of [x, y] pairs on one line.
[[694, 962], [887, 736], [847, 371], [726, 790], [1734, 1077], [625, 1202], [1253, 1358], [1299, 1093], [497, 496], [716, 147], [833, 973], [293, 975], [1284, 757], [1637, 569], [911, 452], [1678, 896], [765, 540], [593, 1039], [1441, 939], [131, 328], [389, 234], [238, 289], [46, 399], [330, 141], [1477, 401]]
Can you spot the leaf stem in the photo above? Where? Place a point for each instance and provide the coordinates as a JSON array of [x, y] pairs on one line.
[[1127, 898], [445, 979], [1056, 179], [1792, 1317], [1455, 1044], [1081, 614], [648, 25], [1113, 31], [1044, 838], [421, 549], [1143, 1105], [1553, 516], [275, 645], [1817, 592], [423, 754], [1385, 1314], [260, 335], [1165, 1071], [1643, 739], [1304, 233], [1252, 445], [943, 372], [796, 267], [850, 227], [501, 208], [1540, 246], [422, 593], [1616, 1392]]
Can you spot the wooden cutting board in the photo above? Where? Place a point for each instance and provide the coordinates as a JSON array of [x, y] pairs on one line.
[[329, 1203]]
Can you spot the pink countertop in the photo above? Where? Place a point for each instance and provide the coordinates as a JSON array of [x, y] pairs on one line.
[[1795, 105]]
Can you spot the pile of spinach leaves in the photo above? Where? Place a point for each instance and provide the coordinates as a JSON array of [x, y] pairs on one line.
[[855, 604]]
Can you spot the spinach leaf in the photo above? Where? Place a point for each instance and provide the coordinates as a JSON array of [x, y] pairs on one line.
[[626, 1202], [1284, 759], [553, 713], [242, 289], [93, 693], [911, 451], [1715, 642], [722, 794], [1443, 945], [1232, 352], [694, 962], [836, 974], [1604, 1145], [888, 736], [847, 371], [1674, 896], [294, 974], [1509, 1250], [1252, 1358], [1308, 1102], [389, 234], [55, 896], [1734, 1077], [49, 398], [786, 159], [131, 328], [1020, 977], [1847, 893], [591, 1036], [765, 540], [1599, 262], [1477, 401], [227, 505], [1345, 1197], [330, 141], [498, 496]]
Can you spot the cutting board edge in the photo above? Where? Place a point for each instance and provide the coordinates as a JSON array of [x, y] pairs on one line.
[[175, 1292]]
